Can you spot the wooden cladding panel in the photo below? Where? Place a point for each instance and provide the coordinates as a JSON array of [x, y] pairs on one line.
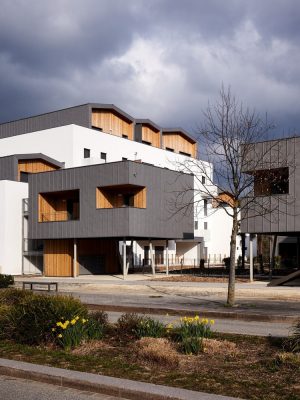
[[140, 198], [34, 166], [112, 123], [151, 136], [58, 257], [103, 200], [179, 144], [52, 209]]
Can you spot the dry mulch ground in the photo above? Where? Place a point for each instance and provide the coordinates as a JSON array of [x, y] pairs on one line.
[[239, 366]]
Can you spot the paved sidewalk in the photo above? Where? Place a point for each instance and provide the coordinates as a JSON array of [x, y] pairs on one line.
[[254, 301], [123, 388]]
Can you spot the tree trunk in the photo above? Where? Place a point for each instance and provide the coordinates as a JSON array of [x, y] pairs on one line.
[[231, 281]]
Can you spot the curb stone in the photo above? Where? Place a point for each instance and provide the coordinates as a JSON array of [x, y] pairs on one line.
[[132, 390], [242, 315]]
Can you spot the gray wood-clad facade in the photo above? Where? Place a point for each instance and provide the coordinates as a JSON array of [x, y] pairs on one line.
[[277, 213], [154, 221]]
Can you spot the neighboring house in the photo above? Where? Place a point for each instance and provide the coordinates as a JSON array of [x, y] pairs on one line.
[[275, 209], [90, 183]]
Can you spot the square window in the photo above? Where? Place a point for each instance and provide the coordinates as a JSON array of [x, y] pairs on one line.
[[103, 156], [86, 153]]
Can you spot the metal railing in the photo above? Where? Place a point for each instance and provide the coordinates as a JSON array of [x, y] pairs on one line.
[[58, 216]]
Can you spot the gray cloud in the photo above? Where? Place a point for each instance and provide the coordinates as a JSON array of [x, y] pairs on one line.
[[161, 59]]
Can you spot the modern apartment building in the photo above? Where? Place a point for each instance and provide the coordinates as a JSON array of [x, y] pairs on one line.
[[89, 189]]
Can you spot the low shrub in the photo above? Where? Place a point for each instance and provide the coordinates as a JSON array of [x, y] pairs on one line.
[[157, 351], [101, 317], [290, 360], [13, 296], [31, 320], [6, 281], [149, 327], [292, 343], [128, 323]]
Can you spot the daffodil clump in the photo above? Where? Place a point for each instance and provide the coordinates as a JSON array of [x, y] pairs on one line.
[[192, 330], [148, 327], [69, 333]]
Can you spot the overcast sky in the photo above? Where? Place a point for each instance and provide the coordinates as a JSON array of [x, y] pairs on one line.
[[157, 59]]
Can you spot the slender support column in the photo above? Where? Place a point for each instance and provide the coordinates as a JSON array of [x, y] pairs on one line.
[[167, 257], [243, 250], [124, 259], [273, 255], [251, 256], [75, 273], [152, 257]]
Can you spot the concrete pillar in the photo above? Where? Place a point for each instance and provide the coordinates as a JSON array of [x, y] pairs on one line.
[[75, 272], [167, 257], [152, 257], [124, 259], [251, 255]]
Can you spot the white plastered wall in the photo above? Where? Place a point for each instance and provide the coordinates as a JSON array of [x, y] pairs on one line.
[[11, 195]]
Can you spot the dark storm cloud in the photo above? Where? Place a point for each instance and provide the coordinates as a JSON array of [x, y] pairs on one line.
[[161, 59]]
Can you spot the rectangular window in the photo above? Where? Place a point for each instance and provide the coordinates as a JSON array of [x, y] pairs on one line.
[[205, 207], [103, 156], [205, 225], [169, 149], [86, 153], [196, 225], [185, 154], [125, 136], [203, 180], [118, 196], [124, 159], [270, 182], [59, 206], [96, 128], [145, 142]]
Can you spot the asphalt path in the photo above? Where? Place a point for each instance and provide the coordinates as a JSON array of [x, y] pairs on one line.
[[227, 325], [23, 389]]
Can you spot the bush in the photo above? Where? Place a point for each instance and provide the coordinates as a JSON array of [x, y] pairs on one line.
[[292, 343], [101, 317], [33, 317], [148, 327], [6, 281], [128, 323], [14, 296]]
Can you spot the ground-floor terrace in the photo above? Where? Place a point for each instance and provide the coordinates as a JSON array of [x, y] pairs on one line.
[[98, 256]]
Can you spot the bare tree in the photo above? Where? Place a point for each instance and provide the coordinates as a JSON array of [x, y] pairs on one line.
[[227, 136]]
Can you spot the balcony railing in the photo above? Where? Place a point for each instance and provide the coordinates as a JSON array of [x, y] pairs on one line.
[[58, 216], [25, 208]]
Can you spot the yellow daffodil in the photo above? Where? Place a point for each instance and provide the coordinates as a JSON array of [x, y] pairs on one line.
[[73, 322], [212, 321], [53, 329], [77, 318], [60, 335]]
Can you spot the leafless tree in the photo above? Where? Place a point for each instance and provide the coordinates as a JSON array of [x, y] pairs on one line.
[[227, 137]]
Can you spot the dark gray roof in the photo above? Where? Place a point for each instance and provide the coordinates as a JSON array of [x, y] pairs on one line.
[[181, 131], [146, 121]]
